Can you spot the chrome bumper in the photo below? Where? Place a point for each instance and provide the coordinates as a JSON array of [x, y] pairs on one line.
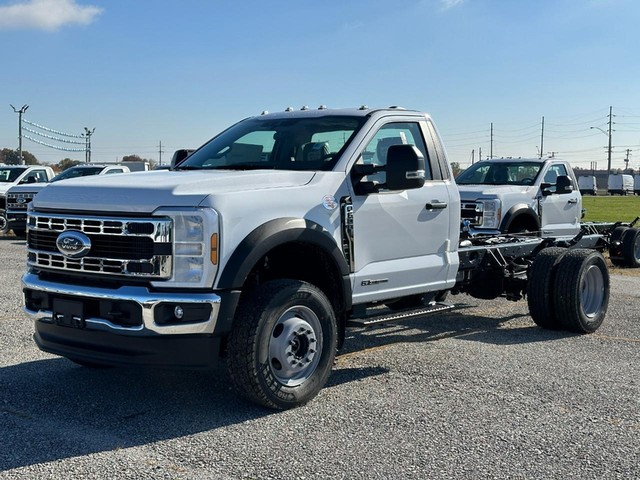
[[147, 300]]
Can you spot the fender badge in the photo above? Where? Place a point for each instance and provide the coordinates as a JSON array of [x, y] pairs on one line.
[[329, 202]]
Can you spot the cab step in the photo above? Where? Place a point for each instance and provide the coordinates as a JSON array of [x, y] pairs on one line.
[[368, 321]]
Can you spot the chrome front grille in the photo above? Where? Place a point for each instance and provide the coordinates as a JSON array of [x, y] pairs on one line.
[[19, 201], [133, 247], [471, 211]]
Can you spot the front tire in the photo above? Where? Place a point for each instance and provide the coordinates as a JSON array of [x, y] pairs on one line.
[[4, 225], [283, 344]]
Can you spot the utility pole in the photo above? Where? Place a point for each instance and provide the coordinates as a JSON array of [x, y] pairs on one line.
[[160, 152], [480, 154], [87, 138], [542, 138], [626, 160], [473, 155], [20, 112], [609, 150], [491, 149]]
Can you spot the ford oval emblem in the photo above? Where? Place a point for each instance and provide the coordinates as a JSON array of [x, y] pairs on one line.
[[73, 244]]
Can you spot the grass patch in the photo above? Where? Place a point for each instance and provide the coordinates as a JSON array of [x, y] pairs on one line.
[[611, 208]]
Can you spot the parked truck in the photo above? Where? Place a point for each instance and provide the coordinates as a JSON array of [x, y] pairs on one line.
[[620, 184], [587, 185], [12, 175], [535, 195], [267, 243], [19, 196]]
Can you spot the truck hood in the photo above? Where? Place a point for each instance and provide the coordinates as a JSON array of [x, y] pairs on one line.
[[473, 192], [144, 192], [29, 188]]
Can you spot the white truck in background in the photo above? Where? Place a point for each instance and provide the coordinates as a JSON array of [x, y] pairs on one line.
[[266, 244], [620, 184], [19, 196], [12, 175], [587, 185], [507, 195]]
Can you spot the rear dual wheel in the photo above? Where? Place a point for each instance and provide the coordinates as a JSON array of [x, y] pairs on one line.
[[568, 289], [624, 247]]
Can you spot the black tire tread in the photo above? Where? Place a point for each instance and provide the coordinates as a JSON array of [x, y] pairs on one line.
[[629, 239], [539, 287], [244, 338], [568, 290]]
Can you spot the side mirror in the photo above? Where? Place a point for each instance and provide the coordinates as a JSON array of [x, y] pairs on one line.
[[405, 167], [545, 188], [564, 184]]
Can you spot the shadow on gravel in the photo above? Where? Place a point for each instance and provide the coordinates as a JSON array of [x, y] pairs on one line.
[[14, 240], [475, 328], [53, 409]]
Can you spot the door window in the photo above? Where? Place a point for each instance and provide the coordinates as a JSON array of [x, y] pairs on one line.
[[403, 133]]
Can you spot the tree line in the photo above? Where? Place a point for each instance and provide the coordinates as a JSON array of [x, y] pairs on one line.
[[12, 157]]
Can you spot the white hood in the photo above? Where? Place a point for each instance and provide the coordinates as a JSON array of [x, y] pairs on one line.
[[144, 192], [473, 192]]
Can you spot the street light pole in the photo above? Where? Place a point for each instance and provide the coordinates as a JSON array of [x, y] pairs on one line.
[[87, 138], [20, 112]]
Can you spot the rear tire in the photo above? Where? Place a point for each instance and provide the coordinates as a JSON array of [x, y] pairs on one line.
[[581, 293], [541, 280], [615, 246], [283, 344], [631, 247]]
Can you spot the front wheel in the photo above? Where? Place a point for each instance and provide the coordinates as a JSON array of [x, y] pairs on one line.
[[283, 344], [4, 225]]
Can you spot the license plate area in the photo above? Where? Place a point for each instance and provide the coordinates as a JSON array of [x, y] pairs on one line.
[[68, 313]]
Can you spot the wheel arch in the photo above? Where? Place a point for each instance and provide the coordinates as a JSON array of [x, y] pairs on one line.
[[520, 213], [294, 248]]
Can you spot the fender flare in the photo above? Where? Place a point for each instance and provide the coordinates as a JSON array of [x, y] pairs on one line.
[[515, 212], [272, 234]]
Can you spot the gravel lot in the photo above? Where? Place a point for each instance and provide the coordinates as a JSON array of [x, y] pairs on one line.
[[477, 393]]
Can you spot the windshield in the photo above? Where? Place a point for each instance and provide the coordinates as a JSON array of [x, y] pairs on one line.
[[77, 172], [300, 143], [8, 175], [500, 173]]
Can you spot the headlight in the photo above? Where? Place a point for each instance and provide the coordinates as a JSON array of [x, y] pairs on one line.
[[491, 213], [195, 239]]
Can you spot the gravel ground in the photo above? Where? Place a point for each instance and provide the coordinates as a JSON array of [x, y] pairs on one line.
[[480, 392]]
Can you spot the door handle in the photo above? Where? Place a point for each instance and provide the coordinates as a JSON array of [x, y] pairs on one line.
[[573, 200], [435, 205]]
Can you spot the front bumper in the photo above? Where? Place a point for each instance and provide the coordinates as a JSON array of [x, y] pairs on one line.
[[129, 325], [16, 219]]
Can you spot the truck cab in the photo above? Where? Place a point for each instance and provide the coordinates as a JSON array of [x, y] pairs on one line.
[[533, 196]]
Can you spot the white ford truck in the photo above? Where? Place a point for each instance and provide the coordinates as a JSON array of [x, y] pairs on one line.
[[12, 175], [19, 196], [268, 242], [519, 196]]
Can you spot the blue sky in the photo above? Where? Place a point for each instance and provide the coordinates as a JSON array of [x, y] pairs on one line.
[[141, 72]]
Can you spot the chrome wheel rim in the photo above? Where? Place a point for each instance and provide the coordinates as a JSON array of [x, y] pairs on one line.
[[295, 346], [592, 291]]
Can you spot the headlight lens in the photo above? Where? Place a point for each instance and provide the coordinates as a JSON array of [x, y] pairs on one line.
[[491, 213], [192, 233]]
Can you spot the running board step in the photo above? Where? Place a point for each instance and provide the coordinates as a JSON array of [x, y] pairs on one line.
[[397, 316]]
